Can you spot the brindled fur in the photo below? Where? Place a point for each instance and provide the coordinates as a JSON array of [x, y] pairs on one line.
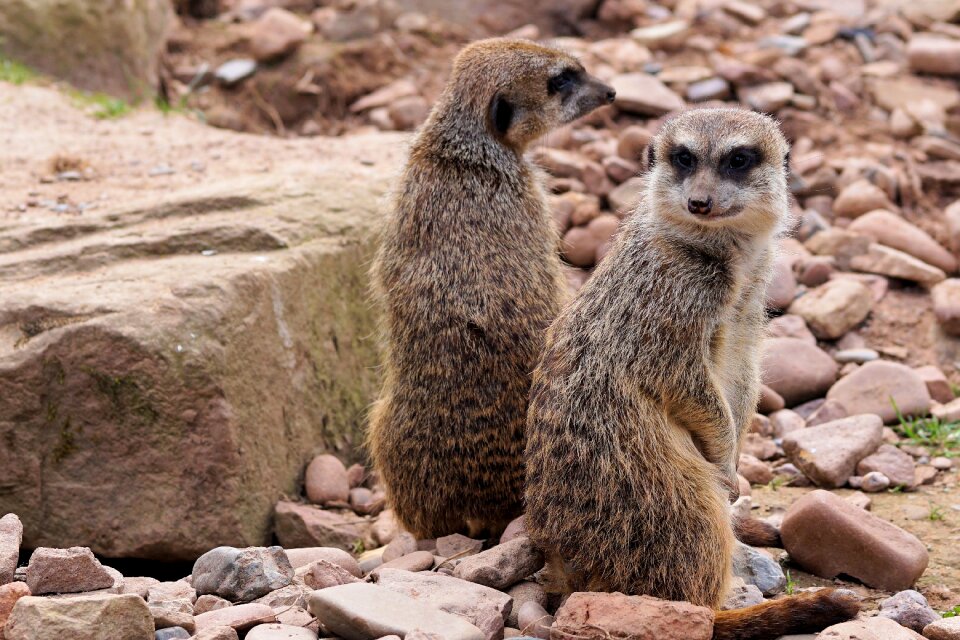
[[469, 278], [649, 377]]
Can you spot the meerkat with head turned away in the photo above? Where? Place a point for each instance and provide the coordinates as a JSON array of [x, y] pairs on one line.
[[649, 377], [469, 278]]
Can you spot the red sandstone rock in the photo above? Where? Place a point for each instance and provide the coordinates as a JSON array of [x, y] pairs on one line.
[[599, 616], [829, 536]]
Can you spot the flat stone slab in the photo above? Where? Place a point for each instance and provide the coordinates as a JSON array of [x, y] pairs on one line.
[[828, 454], [363, 611], [239, 617], [879, 385], [482, 606], [501, 566]]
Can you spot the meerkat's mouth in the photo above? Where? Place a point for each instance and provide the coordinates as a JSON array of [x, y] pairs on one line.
[[719, 214]]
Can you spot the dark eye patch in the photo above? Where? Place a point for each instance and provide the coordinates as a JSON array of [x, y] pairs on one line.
[[563, 81], [683, 160], [501, 113], [739, 161]]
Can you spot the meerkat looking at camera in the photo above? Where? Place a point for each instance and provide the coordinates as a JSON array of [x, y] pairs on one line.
[[649, 377], [469, 278]]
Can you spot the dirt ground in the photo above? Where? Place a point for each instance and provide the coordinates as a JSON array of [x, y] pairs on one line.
[[118, 161]]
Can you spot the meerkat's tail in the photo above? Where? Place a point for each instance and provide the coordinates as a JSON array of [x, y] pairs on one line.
[[802, 613], [756, 533]]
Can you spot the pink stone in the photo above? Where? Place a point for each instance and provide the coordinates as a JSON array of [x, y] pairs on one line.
[[72, 570], [797, 370], [326, 480], [937, 384], [828, 454], [11, 535], [9, 594], [870, 388], [239, 617], [897, 465], [600, 616]]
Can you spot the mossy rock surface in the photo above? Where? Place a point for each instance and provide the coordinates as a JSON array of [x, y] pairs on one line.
[[169, 365]]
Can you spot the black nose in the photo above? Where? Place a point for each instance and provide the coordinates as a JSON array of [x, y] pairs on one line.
[[611, 94], [700, 207]]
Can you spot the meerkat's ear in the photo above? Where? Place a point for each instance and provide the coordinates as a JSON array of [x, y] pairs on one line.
[[501, 114], [651, 156], [786, 162]]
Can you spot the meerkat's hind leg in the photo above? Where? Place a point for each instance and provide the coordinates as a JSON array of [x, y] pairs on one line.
[[558, 577]]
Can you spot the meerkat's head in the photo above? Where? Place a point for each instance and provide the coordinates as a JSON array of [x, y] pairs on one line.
[[720, 168], [519, 90]]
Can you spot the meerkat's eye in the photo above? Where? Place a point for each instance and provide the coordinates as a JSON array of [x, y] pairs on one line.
[[562, 81], [741, 160], [684, 160]]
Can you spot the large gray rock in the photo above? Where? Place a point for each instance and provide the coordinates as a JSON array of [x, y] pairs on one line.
[[757, 568], [241, 575], [113, 46], [172, 358]]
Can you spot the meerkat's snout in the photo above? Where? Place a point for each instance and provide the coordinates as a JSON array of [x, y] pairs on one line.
[[594, 94], [710, 196], [579, 92], [700, 207]]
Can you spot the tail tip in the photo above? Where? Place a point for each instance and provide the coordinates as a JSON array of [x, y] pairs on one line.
[[845, 603]]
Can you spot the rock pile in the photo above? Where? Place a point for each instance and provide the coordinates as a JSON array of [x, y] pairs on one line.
[[465, 590]]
